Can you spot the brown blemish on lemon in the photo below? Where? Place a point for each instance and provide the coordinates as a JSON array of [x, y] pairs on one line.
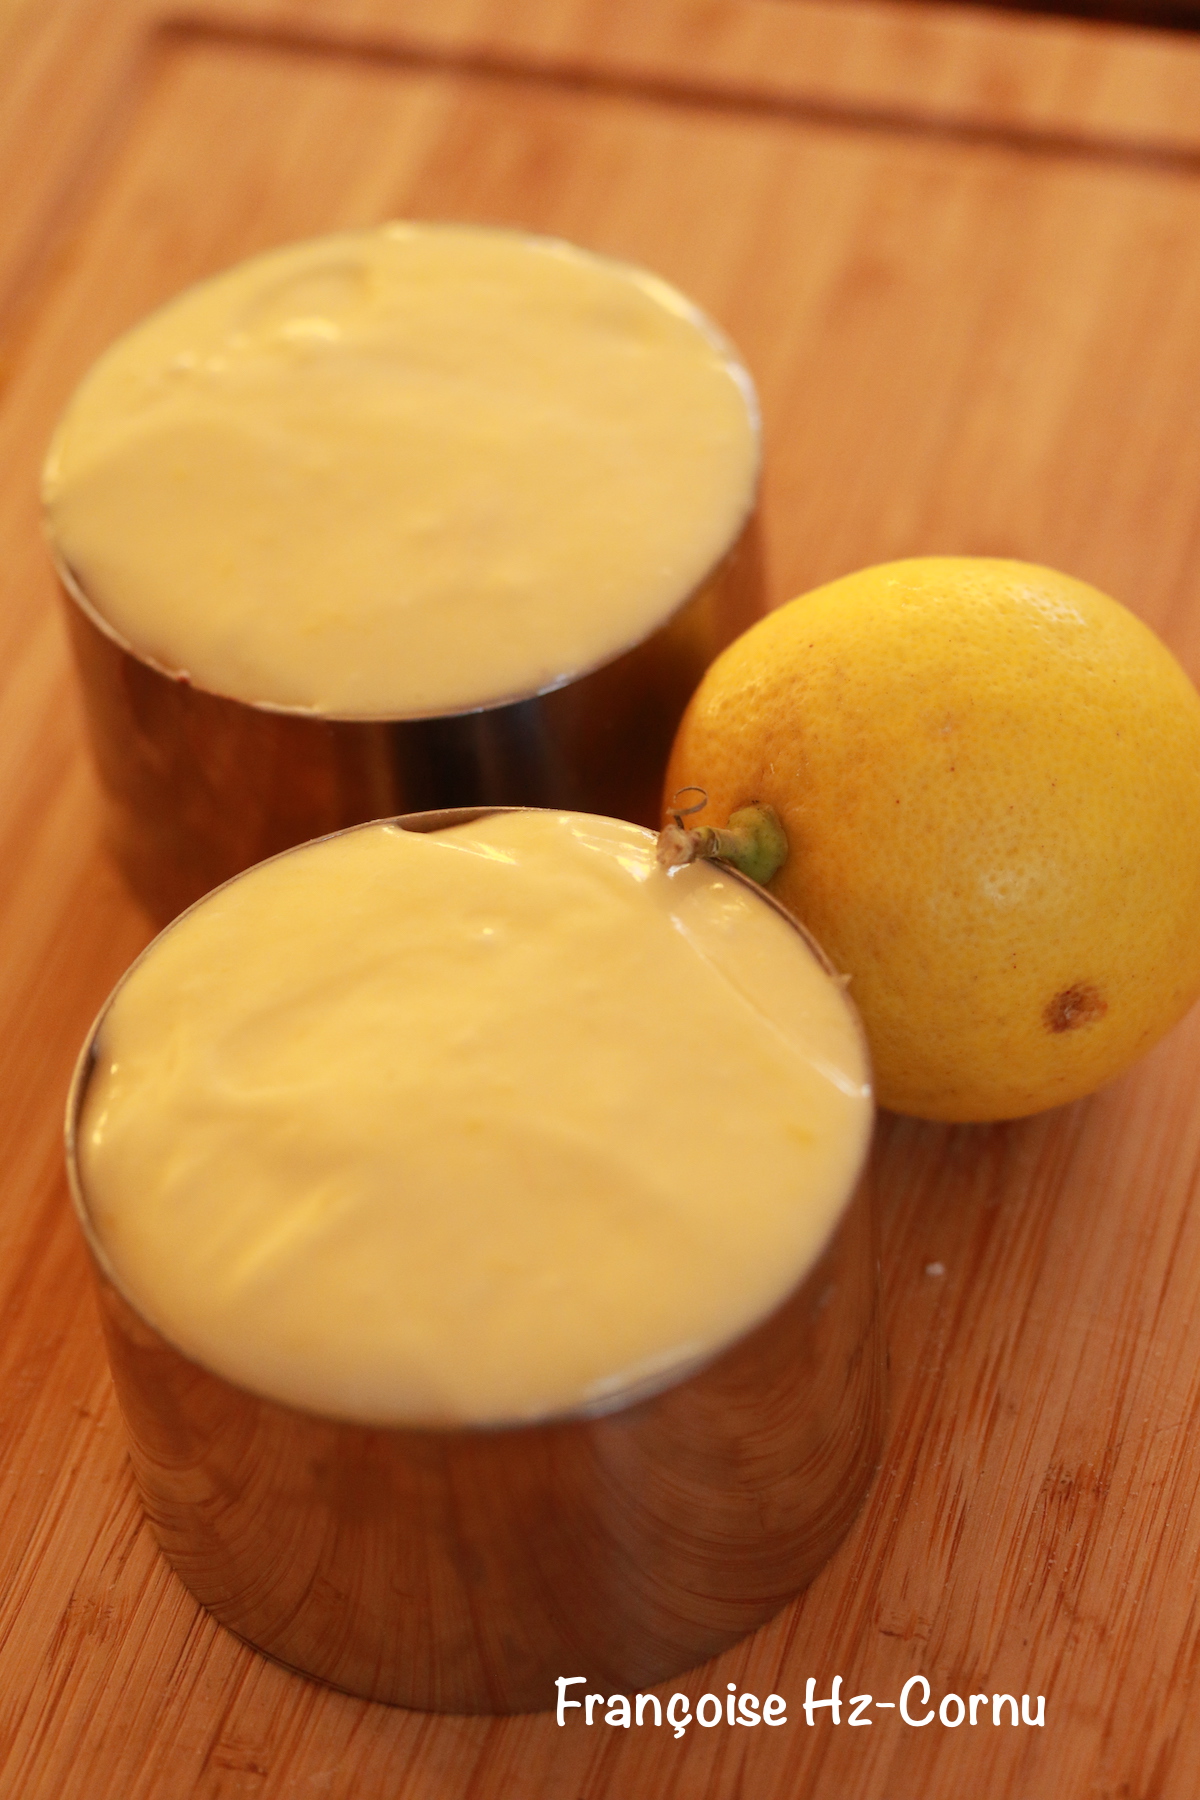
[[1075, 1006]]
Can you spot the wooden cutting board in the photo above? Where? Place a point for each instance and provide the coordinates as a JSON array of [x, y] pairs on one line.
[[961, 254]]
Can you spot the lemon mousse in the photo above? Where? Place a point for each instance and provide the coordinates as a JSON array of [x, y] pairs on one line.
[[490, 1124], [404, 472]]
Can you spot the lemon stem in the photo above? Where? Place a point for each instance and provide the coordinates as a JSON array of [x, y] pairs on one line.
[[753, 842]]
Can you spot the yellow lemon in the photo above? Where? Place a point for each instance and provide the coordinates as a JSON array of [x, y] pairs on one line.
[[989, 777]]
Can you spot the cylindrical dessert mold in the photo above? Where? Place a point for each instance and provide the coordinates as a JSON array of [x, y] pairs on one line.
[[199, 786], [463, 1569]]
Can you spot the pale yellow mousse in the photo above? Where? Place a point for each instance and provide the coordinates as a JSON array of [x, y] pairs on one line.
[[407, 471], [485, 1125]]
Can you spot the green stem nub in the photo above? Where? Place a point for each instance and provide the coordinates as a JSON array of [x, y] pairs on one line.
[[753, 842]]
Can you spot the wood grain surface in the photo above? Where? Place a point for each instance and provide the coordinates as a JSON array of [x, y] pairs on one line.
[[961, 254]]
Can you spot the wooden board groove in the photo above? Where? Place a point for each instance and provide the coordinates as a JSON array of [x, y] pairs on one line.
[[736, 99]]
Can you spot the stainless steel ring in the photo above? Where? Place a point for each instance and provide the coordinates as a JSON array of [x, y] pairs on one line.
[[462, 1570]]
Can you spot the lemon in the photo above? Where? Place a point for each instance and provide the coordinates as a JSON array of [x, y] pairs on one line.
[[989, 778]]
